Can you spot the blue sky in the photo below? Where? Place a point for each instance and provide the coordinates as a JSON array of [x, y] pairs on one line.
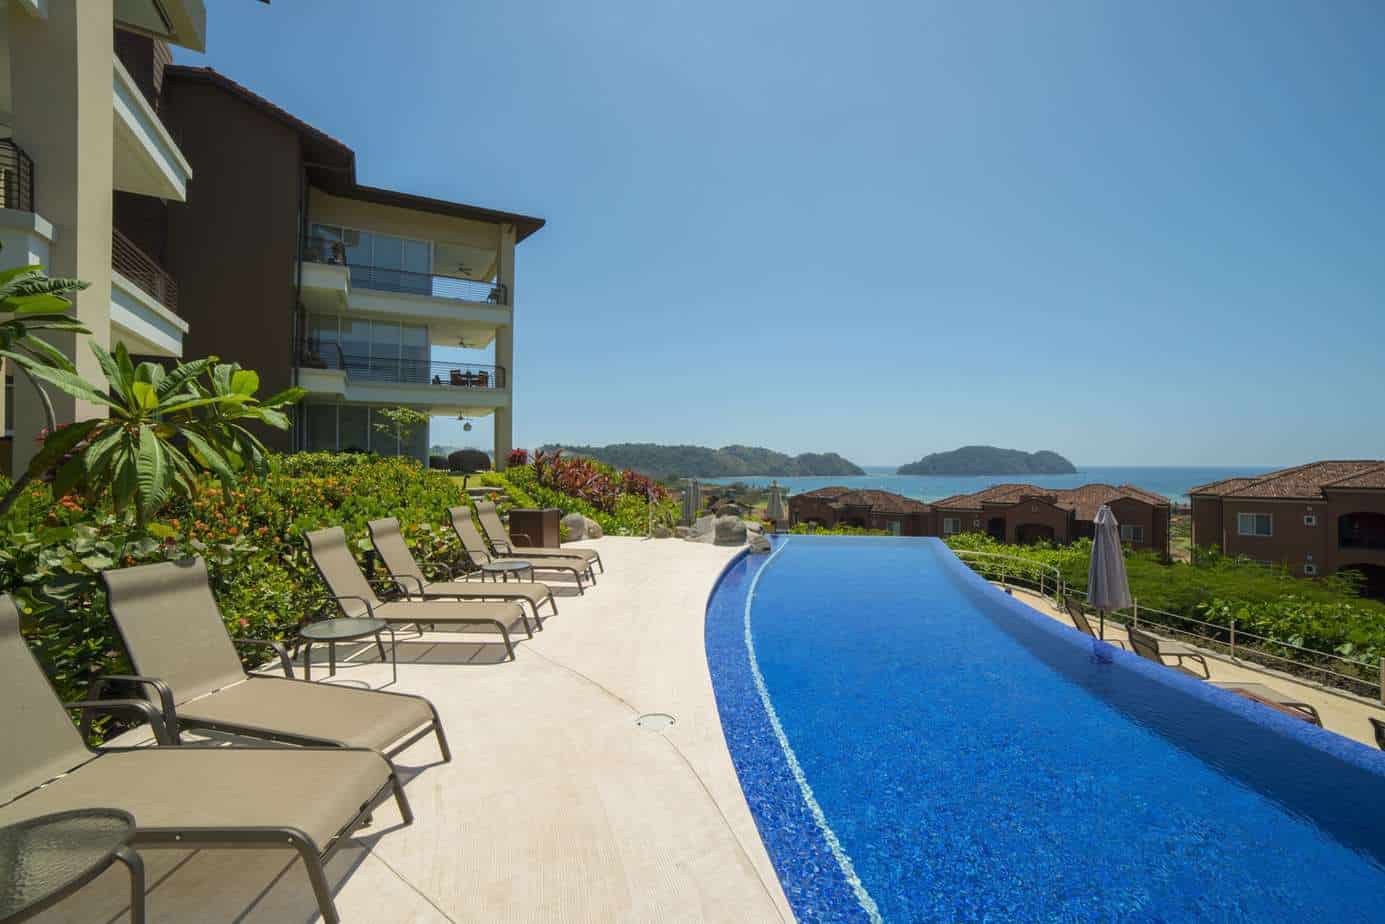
[[1132, 233]]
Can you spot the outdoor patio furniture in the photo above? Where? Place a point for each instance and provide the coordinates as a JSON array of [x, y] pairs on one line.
[[482, 379], [1269, 696], [400, 562], [499, 537], [1079, 619], [1379, 726], [355, 597], [1156, 650], [346, 629], [457, 378], [48, 858], [474, 545], [174, 631], [308, 800]]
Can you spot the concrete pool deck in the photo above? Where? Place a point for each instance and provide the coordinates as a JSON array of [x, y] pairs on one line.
[[1344, 715], [556, 806]]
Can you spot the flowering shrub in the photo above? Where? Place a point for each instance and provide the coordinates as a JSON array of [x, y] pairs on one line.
[[518, 457], [51, 553], [630, 515], [591, 481]]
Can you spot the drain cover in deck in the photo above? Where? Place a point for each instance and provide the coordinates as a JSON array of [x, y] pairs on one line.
[[655, 721]]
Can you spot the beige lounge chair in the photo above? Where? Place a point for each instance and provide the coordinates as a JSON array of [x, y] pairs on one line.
[[178, 643], [400, 563], [1378, 726], [186, 798], [499, 537], [356, 598], [1079, 619], [1156, 650], [1269, 696], [475, 547]]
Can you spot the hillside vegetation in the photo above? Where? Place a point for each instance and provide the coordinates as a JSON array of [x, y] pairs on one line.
[[702, 462], [989, 460]]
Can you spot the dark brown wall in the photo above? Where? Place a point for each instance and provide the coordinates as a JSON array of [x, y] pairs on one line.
[[232, 246], [1207, 522], [1292, 543], [1339, 504], [1031, 511], [1155, 521]]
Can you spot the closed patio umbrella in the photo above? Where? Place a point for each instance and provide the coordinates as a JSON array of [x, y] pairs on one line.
[[692, 501], [774, 507], [1107, 586]]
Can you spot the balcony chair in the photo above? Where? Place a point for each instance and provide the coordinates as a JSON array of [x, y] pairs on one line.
[[184, 798]]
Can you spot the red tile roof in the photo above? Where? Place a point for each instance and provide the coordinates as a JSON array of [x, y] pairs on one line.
[[881, 502], [1085, 500], [1370, 479], [1221, 488], [828, 492], [1306, 482]]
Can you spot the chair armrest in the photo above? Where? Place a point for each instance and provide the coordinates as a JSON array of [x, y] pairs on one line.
[[442, 566], [279, 650], [524, 536], [393, 582], [370, 610], [140, 707], [401, 579], [168, 714]]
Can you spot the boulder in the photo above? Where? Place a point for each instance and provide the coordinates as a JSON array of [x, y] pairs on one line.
[[703, 529], [662, 532], [576, 526], [682, 532], [730, 531], [594, 530], [759, 544]]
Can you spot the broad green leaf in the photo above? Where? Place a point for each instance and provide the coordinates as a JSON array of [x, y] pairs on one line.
[[162, 531], [245, 382], [59, 443], [69, 382], [287, 396], [152, 467], [209, 455], [144, 395], [110, 367], [69, 476]]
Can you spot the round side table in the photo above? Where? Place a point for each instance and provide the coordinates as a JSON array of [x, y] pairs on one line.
[[501, 570], [49, 857], [344, 629]]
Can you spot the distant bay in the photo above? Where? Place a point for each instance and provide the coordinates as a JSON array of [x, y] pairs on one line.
[[1171, 481]]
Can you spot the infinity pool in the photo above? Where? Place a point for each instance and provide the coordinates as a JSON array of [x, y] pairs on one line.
[[916, 746]]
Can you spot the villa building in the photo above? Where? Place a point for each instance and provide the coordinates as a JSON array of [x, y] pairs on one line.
[[78, 130], [1017, 513], [274, 257], [1314, 519]]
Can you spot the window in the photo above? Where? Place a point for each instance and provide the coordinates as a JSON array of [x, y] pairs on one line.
[[1310, 519], [352, 428], [1132, 533], [1254, 524], [1310, 570], [952, 525]]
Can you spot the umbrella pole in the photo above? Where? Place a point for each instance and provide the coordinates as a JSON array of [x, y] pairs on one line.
[[1102, 630]]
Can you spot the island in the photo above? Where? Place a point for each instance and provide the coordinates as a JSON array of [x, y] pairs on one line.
[[661, 461], [989, 460]]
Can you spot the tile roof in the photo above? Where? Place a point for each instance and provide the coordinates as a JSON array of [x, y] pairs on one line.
[[828, 492], [881, 502], [1221, 488], [1371, 478], [1306, 482], [1085, 500]]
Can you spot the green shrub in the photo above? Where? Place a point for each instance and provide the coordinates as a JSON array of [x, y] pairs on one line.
[[815, 529]]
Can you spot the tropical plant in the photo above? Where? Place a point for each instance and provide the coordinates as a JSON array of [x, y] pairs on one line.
[[518, 457], [31, 301], [399, 422], [163, 428]]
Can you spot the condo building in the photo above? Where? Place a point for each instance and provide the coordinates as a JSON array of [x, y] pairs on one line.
[[248, 238]]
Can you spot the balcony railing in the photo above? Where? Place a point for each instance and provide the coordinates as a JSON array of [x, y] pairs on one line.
[[333, 253], [16, 177], [138, 267], [406, 371]]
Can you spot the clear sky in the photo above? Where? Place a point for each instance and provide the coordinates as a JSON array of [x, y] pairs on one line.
[[1132, 233]]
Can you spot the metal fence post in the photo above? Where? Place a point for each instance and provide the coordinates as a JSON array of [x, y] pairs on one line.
[[1135, 616], [1233, 640]]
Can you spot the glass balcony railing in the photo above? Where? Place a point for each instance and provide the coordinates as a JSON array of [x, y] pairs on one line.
[[405, 371], [386, 279]]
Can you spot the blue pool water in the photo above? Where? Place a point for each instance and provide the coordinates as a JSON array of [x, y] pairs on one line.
[[943, 753]]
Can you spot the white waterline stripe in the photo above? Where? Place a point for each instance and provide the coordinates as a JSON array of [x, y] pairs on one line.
[[848, 870]]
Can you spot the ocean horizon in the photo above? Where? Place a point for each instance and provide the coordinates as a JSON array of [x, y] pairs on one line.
[[1172, 481]]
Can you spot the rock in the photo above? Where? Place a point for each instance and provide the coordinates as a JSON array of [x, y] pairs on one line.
[[682, 532], [729, 510], [594, 530], [754, 529], [662, 532], [576, 526], [759, 544], [703, 530], [730, 531]]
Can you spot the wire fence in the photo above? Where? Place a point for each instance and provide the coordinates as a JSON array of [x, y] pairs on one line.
[[1325, 669]]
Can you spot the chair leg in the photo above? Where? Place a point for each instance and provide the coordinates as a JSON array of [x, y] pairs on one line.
[[135, 865], [317, 878], [441, 735], [505, 634], [406, 812]]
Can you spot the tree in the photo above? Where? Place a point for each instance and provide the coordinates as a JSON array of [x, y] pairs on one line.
[[31, 301], [399, 422]]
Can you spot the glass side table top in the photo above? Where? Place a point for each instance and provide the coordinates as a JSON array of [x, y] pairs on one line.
[[507, 566], [54, 854], [340, 629]]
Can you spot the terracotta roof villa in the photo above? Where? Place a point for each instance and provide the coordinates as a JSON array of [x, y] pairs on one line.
[[1314, 519], [1009, 512]]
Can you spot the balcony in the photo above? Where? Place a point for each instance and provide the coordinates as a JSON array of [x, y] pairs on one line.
[[467, 311], [16, 178], [455, 387], [147, 161], [144, 302]]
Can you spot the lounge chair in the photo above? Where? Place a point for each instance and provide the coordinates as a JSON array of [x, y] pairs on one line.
[[1079, 619], [499, 537], [174, 631], [475, 547], [1379, 727], [185, 798], [356, 598], [1156, 650], [403, 567], [1269, 696]]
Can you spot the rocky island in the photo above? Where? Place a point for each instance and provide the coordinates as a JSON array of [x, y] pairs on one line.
[[703, 462], [989, 460]]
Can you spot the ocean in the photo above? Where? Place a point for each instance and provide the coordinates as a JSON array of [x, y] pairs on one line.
[[1171, 481]]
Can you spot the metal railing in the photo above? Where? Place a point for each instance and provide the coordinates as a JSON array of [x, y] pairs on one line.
[[1324, 669], [138, 267], [385, 279], [406, 371], [16, 177]]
